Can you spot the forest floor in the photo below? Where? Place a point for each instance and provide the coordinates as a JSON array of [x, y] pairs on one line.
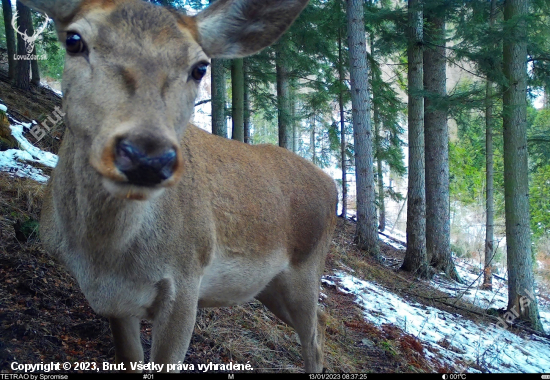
[[45, 318]]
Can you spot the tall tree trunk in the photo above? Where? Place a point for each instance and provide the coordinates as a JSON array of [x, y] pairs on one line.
[[237, 102], [246, 103], [283, 97], [217, 91], [416, 259], [378, 155], [489, 193], [35, 71], [521, 294], [312, 140], [379, 174], [22, 77], [366, 234], [219, 126], [342, 125], [489, 174], [10, 37], [294, 127], [436, 143]]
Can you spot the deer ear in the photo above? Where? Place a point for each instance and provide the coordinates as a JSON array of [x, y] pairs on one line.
[[237, 28], [58, 10]]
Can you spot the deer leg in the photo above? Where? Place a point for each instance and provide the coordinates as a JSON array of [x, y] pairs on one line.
[[292, 296], [126, 334], [173, 326]]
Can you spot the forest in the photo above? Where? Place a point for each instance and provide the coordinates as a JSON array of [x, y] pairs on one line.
[[432, 117]]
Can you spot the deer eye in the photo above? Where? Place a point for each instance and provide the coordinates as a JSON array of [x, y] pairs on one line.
[[199, 70], [75, 44]]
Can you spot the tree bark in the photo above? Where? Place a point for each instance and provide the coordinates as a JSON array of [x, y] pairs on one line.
[[489, 192], [312, 140], [342, 125], [283, 98], [219, 126], [35, 71], [10, 37], [293, 126], [237, 102], [489, 174], [416, 260], [436, 143], [217, 90], [366, 234], [22, 77], [521, 294], [246, 103], [379, 174], [378, 155]]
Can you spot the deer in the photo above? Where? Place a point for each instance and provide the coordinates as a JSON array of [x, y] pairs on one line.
[[29, 40], [155, 217]]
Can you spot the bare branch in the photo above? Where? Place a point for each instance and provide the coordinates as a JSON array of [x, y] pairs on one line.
[[203, 102]]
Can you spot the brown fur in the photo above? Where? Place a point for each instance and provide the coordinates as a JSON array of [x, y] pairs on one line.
[[186, 23], [93, 5], [234, 222]]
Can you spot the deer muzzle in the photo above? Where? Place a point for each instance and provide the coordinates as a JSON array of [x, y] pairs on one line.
[[137, 162], [144, 168]]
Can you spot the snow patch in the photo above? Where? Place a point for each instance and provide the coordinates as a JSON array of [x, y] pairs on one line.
[[497, 298], [454, 338], [391, 242], [17, 161]]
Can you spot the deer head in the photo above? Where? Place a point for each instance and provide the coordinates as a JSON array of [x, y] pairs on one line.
[[137, 68]]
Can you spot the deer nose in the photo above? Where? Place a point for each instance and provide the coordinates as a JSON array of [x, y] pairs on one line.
[[144, 169]]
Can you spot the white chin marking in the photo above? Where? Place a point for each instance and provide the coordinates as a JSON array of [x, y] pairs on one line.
[[131, 192]]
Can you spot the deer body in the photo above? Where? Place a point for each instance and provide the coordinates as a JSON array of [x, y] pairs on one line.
[[155, 217], [220, 230]]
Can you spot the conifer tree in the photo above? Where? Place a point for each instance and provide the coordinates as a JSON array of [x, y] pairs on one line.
[[22, 77], [237, 99], [10, 37], [521, 288], [218, 93], [416, 259], [489, 177], [366, 233], [436, 141]]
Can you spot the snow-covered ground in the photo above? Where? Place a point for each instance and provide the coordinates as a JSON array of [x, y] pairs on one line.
[[456, 340], [472, 276], [396, 238], [17, 161]]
